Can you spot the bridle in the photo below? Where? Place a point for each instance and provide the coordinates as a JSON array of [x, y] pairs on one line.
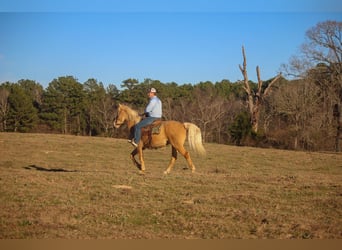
[[118, 124]]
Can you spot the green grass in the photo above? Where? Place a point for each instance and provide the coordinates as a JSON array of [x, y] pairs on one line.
[[58, 186]]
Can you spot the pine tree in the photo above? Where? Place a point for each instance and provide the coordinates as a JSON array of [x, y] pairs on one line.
[[22, 116], [63, 105]]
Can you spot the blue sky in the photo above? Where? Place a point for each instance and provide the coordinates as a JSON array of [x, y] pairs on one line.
[[170, 41]]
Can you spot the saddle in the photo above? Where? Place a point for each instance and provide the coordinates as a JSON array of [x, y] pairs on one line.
[[149, 130], [153, 128]]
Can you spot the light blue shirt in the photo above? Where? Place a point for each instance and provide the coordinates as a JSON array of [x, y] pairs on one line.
[[154, 108]]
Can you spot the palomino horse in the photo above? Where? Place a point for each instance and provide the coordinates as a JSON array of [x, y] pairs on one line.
[[170, 132]]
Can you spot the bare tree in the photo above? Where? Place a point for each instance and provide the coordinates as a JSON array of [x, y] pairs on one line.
[[297, 104], [254, 99], [320, 62], [204, 109], [168, 104], [4, 107], [208, 112], [105, 113]]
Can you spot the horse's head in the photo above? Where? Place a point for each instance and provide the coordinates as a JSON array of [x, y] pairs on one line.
[[126, 114], [121, 117]]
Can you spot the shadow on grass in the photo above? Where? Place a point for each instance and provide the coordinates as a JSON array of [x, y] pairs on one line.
[[38, 168]]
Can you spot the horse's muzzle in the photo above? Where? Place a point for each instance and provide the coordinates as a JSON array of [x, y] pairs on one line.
[[116, 124]]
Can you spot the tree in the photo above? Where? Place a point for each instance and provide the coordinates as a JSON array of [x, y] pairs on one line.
[[64, 104], [254, 98], [240, 128], [296, 104], [135, 93], [33, 90], [22, 116], [206, 109], [112, 91], [129, 83], [4, 105], [320, 61], [94, 92], [99, 107]]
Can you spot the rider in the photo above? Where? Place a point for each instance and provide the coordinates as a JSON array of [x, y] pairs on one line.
[[153, 111]]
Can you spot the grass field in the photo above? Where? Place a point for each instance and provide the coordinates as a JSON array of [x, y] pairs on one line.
[[69, 187]]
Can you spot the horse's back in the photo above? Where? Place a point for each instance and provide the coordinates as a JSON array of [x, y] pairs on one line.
[[174, 130], [171, 124]]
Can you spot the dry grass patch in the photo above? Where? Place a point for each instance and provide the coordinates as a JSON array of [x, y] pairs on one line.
[[56, 186]]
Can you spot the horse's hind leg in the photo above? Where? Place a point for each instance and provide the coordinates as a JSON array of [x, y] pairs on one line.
[[172, 161], [186, 155]]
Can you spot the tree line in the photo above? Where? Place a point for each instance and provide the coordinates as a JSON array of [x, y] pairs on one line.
[[302, 113]]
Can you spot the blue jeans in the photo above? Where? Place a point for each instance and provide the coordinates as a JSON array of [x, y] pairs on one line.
[[140, 125]]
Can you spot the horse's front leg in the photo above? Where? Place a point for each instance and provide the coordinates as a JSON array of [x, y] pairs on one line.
[[141, 156], [135, 162], [139, 151]]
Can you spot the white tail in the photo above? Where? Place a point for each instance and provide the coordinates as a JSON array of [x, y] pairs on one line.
[[195, 138]]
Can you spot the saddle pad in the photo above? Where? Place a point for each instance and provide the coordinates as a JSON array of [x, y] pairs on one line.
[[155, 129]]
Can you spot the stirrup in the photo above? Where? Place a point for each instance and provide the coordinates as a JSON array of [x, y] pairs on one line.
[[133, 143]]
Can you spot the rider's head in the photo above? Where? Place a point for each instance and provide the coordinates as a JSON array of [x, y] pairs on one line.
[[152, 92]]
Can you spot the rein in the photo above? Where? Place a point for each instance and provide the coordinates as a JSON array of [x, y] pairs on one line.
[[118, 124]]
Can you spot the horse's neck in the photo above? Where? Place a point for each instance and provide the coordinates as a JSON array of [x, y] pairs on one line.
[[131, 123]]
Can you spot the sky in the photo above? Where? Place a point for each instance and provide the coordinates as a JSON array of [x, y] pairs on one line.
[[182, 41]]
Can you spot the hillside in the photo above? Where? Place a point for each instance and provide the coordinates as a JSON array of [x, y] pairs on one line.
[[61, 186]]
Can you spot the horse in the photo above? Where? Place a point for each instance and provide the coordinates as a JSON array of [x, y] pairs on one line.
[[170, 132]]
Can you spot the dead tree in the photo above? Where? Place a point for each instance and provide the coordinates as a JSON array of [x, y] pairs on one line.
[[4, 108], [254, 99]]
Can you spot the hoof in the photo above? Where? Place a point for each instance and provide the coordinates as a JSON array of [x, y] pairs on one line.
[[166, 172], [141, 172]]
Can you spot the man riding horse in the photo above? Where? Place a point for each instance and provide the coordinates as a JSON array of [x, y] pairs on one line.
[[153, 111], [168, 132]]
